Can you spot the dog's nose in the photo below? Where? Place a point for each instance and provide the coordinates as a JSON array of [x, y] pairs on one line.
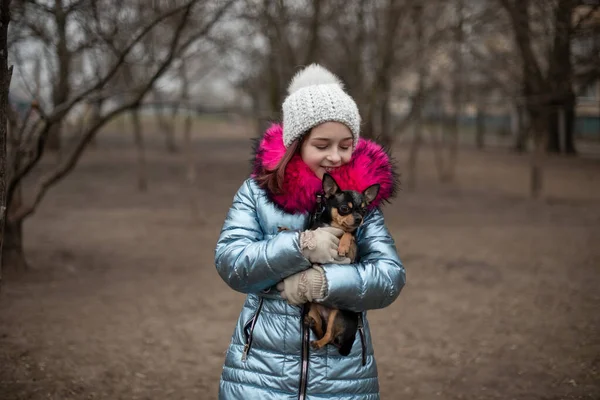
[[357, 219]]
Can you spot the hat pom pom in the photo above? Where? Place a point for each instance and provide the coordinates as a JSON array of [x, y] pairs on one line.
[[314, 74]]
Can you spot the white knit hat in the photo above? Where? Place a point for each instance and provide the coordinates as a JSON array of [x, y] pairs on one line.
[[316, 96]]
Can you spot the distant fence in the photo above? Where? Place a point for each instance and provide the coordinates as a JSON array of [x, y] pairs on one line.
[[587, 127]]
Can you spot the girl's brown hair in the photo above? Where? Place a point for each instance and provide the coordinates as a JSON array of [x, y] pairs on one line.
[[272, 179]]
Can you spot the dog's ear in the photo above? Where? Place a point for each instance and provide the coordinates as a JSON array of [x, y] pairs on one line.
[[371, 192], [330, 186]]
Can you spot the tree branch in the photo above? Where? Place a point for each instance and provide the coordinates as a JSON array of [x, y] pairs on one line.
[[584, 18], [63, 169], [62, 109]]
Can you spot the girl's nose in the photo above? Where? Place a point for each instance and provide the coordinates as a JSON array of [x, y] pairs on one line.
[[334, 157]]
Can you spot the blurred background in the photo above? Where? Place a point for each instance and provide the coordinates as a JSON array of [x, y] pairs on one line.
[[127, 128]]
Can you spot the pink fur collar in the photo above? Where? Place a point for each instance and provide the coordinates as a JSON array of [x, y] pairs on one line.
[[369, 164]]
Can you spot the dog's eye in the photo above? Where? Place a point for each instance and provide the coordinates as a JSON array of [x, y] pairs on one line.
[[344, 210]]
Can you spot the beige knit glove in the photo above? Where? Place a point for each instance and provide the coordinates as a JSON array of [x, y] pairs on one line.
[[320, 246], [308, 285]]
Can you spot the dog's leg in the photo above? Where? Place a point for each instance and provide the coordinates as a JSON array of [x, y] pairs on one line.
[[345, 244], [313, 318], [328, 337], [352, 250]]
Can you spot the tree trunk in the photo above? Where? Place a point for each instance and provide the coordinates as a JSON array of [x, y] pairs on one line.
[[13, 256], [95, 116], [61, 90], [561, 116], [480, 128], [5, 77], [537, 166], [438, 138], [167, 127], [414, 150], [561, 129], [385, 134], [520, 127], [539, 132], [141, 151], [418, 116], [189, 151], [457, 97]]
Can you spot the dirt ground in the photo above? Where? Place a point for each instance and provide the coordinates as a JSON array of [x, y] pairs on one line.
[[122, 300]]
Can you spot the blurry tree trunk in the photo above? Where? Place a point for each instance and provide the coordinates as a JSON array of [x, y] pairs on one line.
[[414, 149], [561, 127], [13, 254], [189, 151], [538, 156], [418, 114], [560, 80], [141, 151], [534, 87], [315, 27], [378, 112], [61, 89], [167, 127], [480, 127], [282, 61], [445, 145], [438, 135], [520, 128], [274, 85], [353, 44], [5, 77], [546, 93], [457, 97], [95, 116]]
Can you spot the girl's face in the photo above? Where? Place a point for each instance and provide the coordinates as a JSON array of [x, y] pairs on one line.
[[328, 146]]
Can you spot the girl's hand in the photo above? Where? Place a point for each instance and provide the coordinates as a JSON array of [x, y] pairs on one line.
[[321, 246], [308, 285]]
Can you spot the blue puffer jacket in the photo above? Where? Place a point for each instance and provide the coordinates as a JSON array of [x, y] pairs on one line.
[[266, 358]]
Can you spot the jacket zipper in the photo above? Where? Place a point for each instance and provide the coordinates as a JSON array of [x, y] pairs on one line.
[[305, 340], [363, 344], [249, 330]]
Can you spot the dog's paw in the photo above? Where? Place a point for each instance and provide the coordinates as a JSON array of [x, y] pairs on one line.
[[343, 248], [309, 321], [315, 345], [345, 243]]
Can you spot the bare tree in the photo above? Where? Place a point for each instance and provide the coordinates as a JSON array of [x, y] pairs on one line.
[[187, 140], [166, 125], [457, 94], [189, 21], [5, 77], [547, 76], [547, 66], [418, 117]]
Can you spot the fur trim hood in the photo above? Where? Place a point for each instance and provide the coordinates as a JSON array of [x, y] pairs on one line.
[[370, 164]]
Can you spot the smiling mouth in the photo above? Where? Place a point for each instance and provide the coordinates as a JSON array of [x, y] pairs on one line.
[[330, 169]]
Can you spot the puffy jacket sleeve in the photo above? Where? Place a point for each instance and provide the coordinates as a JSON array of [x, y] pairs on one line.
[[247, 261], [373, 282]]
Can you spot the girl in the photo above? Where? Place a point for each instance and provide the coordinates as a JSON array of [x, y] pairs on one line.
[[280, 270]]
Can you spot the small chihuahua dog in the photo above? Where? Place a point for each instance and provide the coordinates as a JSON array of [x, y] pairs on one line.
[[344, 209]]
